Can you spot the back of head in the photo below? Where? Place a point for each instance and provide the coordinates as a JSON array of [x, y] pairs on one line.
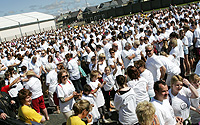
[[81, 105], [133, 72], [121, 80], [139, 63], [194, 77], [87, 88], [145, 113]]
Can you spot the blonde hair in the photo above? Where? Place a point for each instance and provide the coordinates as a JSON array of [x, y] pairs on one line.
[[145, 112], [175, 79], [194, 77], [174, 41], [81, 105], [94, 73]]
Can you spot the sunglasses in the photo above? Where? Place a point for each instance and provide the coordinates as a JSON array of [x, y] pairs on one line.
[[64, 76], [148, 50]]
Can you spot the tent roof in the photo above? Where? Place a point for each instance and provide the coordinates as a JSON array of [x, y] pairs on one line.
[[23, 19]]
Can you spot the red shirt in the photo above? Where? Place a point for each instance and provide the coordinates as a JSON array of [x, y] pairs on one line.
[[5, 89]]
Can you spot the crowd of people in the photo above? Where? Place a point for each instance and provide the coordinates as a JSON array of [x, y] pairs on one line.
[[147, 63]]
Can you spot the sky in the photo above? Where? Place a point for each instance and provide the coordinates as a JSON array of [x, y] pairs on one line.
[[53, 7]]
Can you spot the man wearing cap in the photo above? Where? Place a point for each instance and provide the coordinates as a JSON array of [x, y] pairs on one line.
[[34, 85]]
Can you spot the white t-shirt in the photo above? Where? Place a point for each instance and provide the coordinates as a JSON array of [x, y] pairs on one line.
[[65, 90], [197, 70], [90, 55], [149, 77], [170, 66], [181, 103], [95, 113], [51, 81], [110, 81], [126, 105], [176, 53], [125, 54], [197, 35], [164, 112], [111, 62], [34, 85], [195, 117], [73, 69], [35, 67], [140, 88], [153, 64], [189, 35], [99, 95]]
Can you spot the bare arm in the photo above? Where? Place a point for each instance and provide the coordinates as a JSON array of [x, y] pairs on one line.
[[191, 87], [162, 71]]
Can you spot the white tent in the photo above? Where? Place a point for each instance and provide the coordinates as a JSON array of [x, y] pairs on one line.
[[15, 26]]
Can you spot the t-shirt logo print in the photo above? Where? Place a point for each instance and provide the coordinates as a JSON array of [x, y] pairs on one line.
[[183, 106]]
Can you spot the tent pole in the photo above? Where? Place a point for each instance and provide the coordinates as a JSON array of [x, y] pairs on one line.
[[21, 31]]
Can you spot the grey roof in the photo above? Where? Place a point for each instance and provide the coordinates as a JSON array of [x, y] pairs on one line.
[[64, 16], [91, 9], [75, 13]]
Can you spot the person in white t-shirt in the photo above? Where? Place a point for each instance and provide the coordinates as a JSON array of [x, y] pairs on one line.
[[35, 86], [65, 93], [138, 84], [196, 39], [96, 89], [171, 68], [72, 67], [87, 90], [154, 65], [127, 55], [145, 73], [125, 102], [164, 110], [195, 109], [179, 96], [197, 70], [51, 82], [109, 85]]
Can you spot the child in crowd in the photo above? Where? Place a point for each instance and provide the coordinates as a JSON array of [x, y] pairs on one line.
[[81, 110], [96, 89], [109, 87], [88, 96]]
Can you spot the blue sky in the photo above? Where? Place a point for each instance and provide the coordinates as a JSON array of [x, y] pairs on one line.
[[54, 7]]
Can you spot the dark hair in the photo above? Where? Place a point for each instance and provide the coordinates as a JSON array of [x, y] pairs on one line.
[[51, 58], [140, 63], [23, 93], [23, 68], [87, 88], [133, 72], [68, 55], [111, 49], [173, 35], [156, 85], [121, 80]]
